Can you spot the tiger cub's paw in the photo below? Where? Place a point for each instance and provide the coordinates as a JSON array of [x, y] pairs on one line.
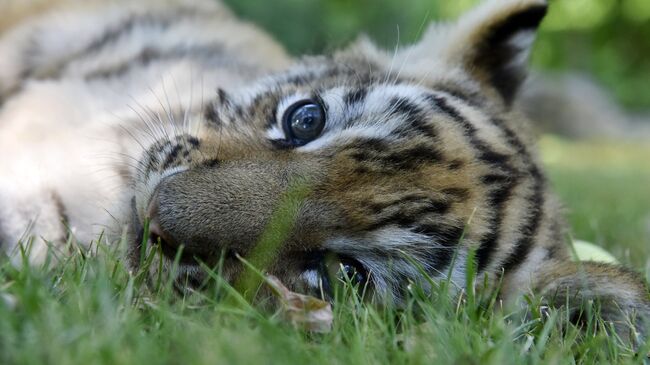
[[613, 293]]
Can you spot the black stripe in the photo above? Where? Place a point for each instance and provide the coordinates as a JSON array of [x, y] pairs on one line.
[[117, 31], [515, 142], [499, 194], [414, 156], [61, 213], [152, 161], [455, 164], [361, 74], [486, 153], [127, 25], [371, 144], [557, 239], [301, 79], [529, 231], [8, 93], [222, 97], [470, 98], [446, 236], [413, 114], [459, 194], [535, 201], [558, 232], [406, 159], [409, 220], [343, 71], [490, 156], [282, 144], [436, 259], [193, 141], [213, 162], [440, 103], [431, 206], [239, 113], [272, 121], [492, 179], [488, 243], [211, 115], [356, 96], [160, 146], [149, 55], [265, 106], [110, 35], [171, 157]]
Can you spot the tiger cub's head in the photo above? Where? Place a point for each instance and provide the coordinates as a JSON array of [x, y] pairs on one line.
[[370, 164]]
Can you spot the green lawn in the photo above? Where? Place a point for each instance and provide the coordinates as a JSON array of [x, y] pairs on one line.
[[91, 310]]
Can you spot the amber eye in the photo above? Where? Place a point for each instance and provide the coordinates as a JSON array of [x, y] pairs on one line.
[[304, 121]]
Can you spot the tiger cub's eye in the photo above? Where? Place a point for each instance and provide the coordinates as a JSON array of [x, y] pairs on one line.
[[351, 271], [304, 121]]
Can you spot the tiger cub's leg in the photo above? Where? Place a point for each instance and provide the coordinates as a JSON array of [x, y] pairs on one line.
[[619, 294]]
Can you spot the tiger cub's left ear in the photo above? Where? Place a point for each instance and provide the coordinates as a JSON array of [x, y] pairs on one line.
[[491, 42]]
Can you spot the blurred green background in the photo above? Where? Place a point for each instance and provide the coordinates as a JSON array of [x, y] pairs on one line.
[[608, 39]]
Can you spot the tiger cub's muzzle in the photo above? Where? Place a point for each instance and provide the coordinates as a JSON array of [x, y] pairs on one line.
[[224, 209]]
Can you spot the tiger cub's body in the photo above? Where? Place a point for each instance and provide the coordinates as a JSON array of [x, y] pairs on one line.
[[176, 113]]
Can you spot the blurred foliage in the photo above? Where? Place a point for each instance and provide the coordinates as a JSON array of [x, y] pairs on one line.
[[605, 38], [604, 185]]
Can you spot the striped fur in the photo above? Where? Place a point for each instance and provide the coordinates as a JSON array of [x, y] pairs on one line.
[[422, 159]]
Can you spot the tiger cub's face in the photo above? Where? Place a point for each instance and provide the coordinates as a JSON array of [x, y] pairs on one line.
[[366, 164]]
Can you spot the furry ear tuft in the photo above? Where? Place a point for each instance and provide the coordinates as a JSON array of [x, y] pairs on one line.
[[501, 53], [492, 43]]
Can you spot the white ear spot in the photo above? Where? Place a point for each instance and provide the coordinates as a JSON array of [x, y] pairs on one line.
[[522, 42], [523, 39]]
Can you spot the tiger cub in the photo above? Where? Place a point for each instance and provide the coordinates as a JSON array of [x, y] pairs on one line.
[[177, 117]]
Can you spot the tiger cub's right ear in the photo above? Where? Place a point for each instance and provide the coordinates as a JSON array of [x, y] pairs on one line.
[[491, 43]]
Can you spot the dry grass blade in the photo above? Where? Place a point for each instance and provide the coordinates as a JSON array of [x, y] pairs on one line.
[[302, 311]]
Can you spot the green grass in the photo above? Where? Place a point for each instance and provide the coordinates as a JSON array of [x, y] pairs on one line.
[[90, 309]]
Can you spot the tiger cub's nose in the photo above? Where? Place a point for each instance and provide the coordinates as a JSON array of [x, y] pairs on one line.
[[158, 235]]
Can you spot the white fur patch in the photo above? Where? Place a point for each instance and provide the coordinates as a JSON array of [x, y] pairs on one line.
[[368, 120], [522, 41], [311, 278]]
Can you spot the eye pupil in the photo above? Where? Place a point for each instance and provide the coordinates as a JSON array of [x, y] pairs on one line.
[[350, 273], [305, 122]]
